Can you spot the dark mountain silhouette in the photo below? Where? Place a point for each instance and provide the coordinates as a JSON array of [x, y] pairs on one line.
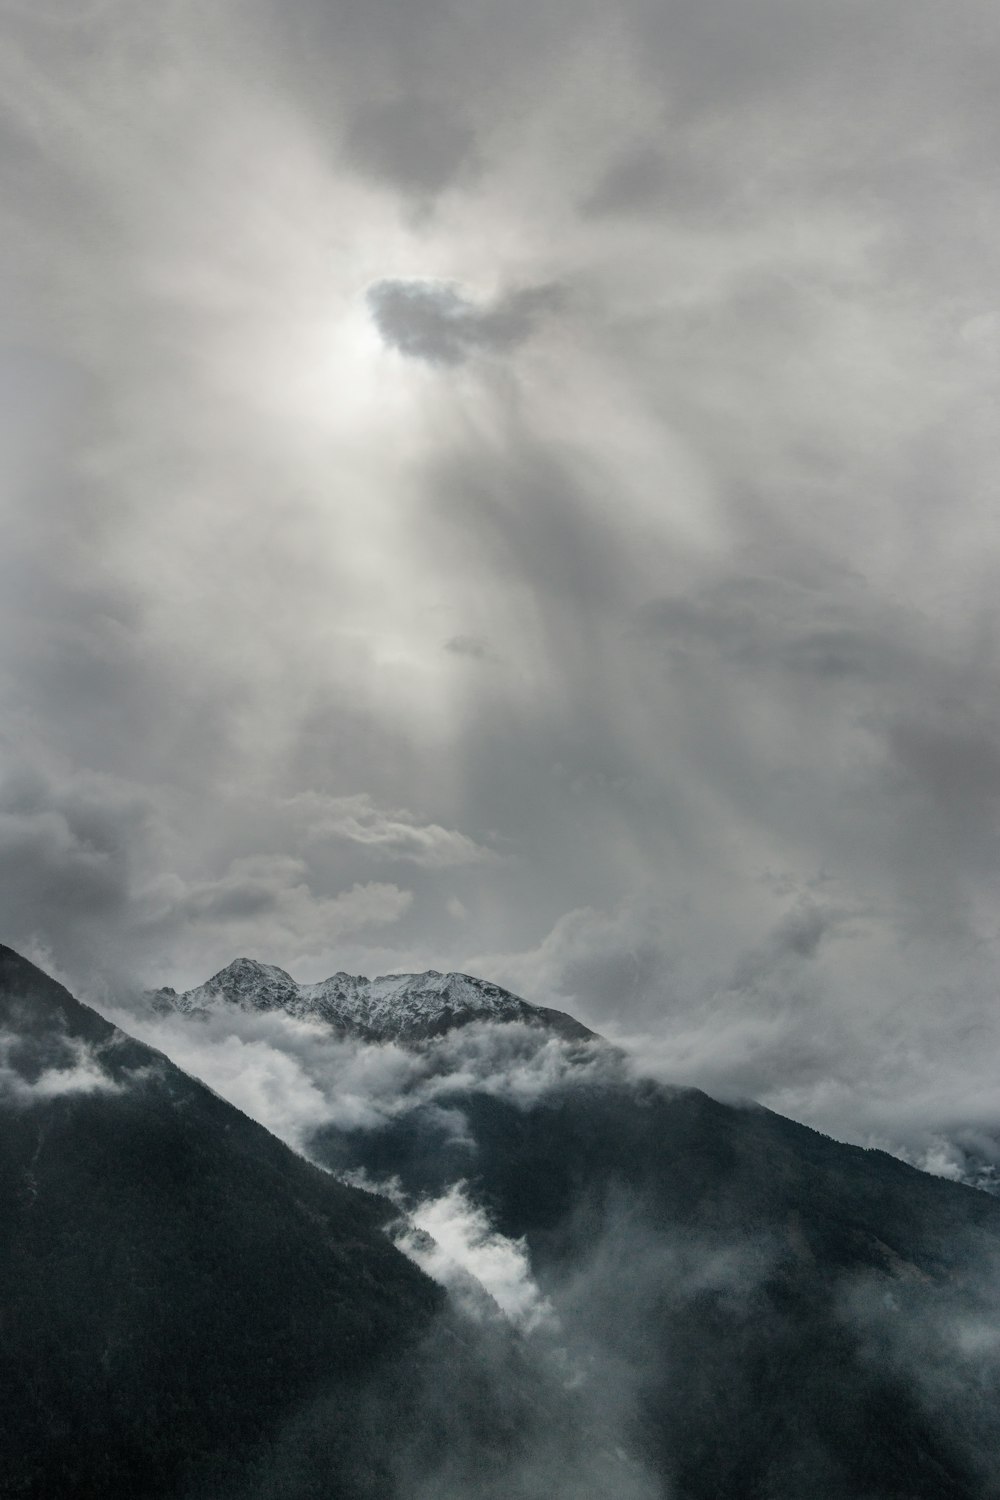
[[739, 1307], [175, 1284], [785, 1302]]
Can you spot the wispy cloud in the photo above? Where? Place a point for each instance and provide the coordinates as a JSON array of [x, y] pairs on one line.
[[79, 1070], [392, 833]]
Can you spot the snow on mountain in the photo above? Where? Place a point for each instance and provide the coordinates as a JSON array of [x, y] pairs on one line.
[[392, 1007]]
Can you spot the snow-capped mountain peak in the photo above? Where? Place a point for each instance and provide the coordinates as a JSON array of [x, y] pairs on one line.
[[245, 982], [391, 1007]]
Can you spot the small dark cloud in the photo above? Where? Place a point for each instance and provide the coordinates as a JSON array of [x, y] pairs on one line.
[[630, 183], [801, 931], [432, 321], [958, 763], [469, 645], [649, 178], [414, 144], [237, 900], [797, 936]]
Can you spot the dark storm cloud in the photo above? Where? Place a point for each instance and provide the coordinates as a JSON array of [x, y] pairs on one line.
[[434, 322], [68, 846]]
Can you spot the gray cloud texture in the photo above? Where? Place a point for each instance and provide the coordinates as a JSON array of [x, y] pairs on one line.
[[433, 322], [367, 605]]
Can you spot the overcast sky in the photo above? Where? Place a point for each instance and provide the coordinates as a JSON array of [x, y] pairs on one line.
[[512, 487]]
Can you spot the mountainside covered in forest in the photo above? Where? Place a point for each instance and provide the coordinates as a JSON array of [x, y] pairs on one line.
[[797, 1317], [634, 1291], [174, 1282]]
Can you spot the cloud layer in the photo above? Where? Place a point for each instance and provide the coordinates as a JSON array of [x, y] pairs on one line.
[[516, 495]]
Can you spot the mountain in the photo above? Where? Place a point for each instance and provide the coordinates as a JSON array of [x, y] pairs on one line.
[[729, 1305], [793, 1316], [393, 1007], [175, 1284]]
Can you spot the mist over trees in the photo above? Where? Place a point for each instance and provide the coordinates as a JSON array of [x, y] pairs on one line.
[[573, 1282]]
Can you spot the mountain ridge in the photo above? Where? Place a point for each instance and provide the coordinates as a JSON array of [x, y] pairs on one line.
[[746, 1307], [404, 1008]]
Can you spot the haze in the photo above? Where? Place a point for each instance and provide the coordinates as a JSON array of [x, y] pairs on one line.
[[512, 488]]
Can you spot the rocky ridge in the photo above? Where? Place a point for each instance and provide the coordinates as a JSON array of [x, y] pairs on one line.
[[392, 1007]]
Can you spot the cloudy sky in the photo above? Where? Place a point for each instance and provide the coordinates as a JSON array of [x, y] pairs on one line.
[[512, 487]]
